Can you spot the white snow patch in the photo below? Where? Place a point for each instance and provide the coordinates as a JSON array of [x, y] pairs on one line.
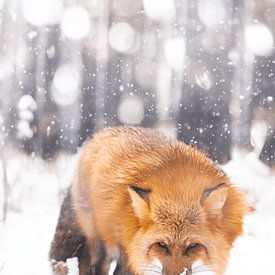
[[36, 193], [6, 68], [122, 37], [253, 253], [160, 10], [259, 39], [211, 12], [174, 50], [131, 110], [72, 265], [66, 85], [76, 22], [42, 12]]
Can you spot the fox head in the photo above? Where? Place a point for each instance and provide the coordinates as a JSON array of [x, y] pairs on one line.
[[188, 217]]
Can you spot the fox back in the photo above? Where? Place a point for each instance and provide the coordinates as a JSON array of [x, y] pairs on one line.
[[165, 204]]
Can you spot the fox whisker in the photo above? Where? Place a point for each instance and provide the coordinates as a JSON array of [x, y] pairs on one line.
[[152, 271], [200, 269], [151, 265], [151, 268]]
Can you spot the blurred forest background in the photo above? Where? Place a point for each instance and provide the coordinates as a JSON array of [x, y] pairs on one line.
[[203, 68]]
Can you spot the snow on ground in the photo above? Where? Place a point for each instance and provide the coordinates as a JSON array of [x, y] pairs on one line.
[[254, 253], [37, 190], [38, 187]]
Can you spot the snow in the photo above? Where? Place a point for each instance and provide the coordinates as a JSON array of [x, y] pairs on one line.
[[51, 52], [66, 85], [76, 23], [37, 189], [26, 107], [32, 34], [203, 80], [126, 8], [254, 252], [174, 50], [160, 10], [1, 3], [26, 102], [24, 129], [6, 68], [26, 235], [122, 37], [211, 12], [43, 12], [259, 39], [131, 110]]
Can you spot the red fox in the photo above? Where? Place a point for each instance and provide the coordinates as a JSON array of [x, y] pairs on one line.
[[164, 205]]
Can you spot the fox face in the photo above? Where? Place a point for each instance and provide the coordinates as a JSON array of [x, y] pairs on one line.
[[186, 225]]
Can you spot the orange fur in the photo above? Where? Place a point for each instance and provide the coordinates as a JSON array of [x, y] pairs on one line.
[[189, 200]]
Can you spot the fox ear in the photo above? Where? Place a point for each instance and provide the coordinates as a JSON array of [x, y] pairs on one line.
[[139, 197], [213, 199]]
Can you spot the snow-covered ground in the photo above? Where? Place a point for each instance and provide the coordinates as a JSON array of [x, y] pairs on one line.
[[26, 235], [36, 193], [254, 252]]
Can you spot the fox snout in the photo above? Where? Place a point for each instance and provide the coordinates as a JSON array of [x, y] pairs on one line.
[[184, 272]]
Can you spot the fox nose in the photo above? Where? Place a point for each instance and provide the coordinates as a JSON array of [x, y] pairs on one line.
[[184, 272]]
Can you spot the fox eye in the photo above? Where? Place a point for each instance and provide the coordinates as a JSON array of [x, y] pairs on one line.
[[190, 248], [163, 246]]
